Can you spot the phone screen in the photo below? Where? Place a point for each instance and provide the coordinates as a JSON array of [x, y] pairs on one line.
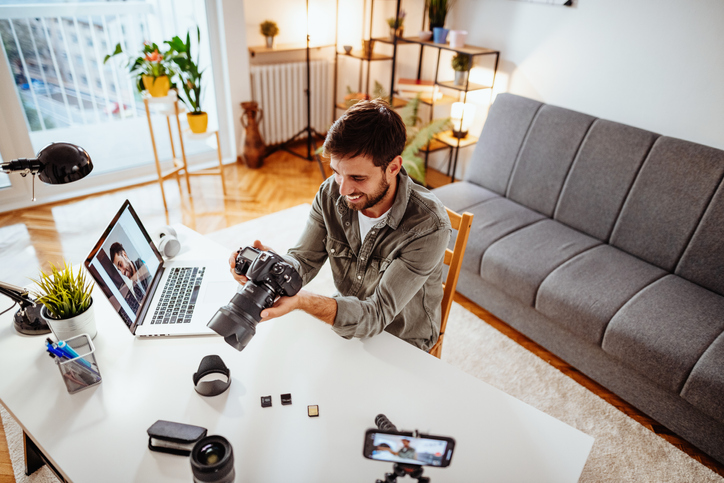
[[403, 448]]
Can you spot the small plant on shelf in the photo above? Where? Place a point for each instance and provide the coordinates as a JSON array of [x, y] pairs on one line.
[[437, 10], [269, 30], [190, 79], [461, 64], [397, 23], [152, 69]]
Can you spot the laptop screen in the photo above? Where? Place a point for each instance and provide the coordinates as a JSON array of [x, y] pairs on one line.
[[124, 263]]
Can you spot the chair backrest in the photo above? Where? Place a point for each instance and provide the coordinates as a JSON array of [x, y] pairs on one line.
[[454, 259]]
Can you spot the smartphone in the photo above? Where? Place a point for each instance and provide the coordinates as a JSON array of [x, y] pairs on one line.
[[402, 447]]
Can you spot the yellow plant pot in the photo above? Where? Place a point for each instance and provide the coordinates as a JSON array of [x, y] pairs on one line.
[[197, 122], [157, 86]]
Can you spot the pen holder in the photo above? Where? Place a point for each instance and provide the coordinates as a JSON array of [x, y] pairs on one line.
[[80, 372]]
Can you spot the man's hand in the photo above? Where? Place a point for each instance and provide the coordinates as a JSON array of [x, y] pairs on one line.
[[319, 306], [232, 261], [282, 306]]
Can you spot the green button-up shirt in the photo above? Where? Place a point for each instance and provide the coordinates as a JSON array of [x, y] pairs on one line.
[[392, 281]]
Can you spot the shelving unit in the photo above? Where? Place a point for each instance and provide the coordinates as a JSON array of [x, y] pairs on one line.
[[443, 140]]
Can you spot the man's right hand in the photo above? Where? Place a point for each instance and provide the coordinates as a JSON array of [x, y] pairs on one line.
[[232, 261]]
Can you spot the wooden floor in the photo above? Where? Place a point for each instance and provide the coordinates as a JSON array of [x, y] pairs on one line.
[[32, 238]]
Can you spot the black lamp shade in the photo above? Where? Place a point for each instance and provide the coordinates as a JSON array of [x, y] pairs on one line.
[[63, 163]]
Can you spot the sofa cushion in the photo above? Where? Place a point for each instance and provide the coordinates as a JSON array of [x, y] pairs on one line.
[[601, 176], [665, 329], [546, 156], [667, 200], [493, 219], [584, 293], [461, 196], [705, 386], [519, 262], [505, 128], [703, 260]]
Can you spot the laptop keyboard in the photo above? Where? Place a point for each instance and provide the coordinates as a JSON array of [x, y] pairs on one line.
[[179, 296]]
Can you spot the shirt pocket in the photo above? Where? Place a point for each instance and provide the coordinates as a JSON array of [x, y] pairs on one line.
[[340, 259]]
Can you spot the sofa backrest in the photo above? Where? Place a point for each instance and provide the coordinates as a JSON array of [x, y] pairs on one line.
[[658, 198], [508, 121], [667, 201], [601, 177], [703, 259], [546, 156]]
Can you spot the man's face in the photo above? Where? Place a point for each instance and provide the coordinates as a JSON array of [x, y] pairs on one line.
[[362, 184], [124, 265], [406, 443]]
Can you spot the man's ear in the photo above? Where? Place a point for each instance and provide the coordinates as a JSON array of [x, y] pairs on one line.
[[394, 167]]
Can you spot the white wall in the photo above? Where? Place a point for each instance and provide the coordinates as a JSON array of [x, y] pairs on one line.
[[653, 64]]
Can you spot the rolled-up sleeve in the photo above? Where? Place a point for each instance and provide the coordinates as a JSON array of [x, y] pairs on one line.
[[309, 253], [401, 281]]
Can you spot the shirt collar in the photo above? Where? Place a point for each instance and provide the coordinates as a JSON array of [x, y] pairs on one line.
[[399, 207]]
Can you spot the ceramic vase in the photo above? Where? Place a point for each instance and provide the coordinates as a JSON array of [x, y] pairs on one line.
[[460, 77], [157, 86], [269, 41], [64, 329], [367, 47], [198, 121], [254, 148], [439, 35]]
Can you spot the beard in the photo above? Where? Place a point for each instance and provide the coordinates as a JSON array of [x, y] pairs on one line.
[[368, 201]]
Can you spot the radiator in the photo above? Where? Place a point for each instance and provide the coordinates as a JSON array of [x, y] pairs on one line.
[[279, 91]]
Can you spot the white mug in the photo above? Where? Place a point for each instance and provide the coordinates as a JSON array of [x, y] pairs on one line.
[[457, 38]]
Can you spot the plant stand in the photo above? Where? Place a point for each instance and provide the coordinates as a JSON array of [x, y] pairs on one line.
[[170, 107]]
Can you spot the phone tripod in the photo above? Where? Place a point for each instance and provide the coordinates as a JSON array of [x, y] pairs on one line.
[[401, 469]]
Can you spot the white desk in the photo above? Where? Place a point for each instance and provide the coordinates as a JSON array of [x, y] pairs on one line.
[[99, 434]]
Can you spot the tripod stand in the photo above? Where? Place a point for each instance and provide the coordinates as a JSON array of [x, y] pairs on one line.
[[401, 469], [309, 130]]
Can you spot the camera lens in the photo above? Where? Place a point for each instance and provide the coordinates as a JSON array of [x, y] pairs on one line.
[[212, 461]]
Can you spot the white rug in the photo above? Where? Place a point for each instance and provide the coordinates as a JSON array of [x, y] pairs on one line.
[[624, 451]]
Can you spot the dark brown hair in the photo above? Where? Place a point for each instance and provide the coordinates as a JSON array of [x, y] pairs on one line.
[[116, 249], [369, 128]]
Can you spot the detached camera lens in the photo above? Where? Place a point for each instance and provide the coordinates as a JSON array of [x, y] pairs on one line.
[[212, 461]]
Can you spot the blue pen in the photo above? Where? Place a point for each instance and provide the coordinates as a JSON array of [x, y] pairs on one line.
[[71, 354], [56, 351]]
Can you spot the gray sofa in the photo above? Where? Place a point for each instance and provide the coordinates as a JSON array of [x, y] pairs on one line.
[[604, 243]]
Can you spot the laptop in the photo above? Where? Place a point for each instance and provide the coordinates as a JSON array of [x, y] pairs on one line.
[[154, 297]]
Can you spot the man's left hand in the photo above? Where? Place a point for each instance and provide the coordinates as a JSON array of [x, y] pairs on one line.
[[282, 306]]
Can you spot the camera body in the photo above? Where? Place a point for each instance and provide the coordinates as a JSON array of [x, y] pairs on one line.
[[270, 277], [268, 268]]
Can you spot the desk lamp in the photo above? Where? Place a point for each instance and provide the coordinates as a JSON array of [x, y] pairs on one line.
[[57, 163]]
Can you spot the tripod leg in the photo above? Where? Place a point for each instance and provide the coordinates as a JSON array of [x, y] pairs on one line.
[[319, 160]]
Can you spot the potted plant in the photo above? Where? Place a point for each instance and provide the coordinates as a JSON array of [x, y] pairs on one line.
[[152, 70], [179, 54], [461, 64], [437, 10], [67, 302], [418, 136], [269, 30], [396, 25]]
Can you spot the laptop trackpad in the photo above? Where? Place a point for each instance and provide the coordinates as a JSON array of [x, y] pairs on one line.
[[219, 293]]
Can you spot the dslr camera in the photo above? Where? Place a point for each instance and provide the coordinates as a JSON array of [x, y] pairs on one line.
[[270, 277]]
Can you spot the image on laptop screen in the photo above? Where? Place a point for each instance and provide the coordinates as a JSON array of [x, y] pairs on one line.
[[124, 264]]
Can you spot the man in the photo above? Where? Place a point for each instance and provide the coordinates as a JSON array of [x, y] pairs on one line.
[[135, 274], [407, 451], [384, 235]]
